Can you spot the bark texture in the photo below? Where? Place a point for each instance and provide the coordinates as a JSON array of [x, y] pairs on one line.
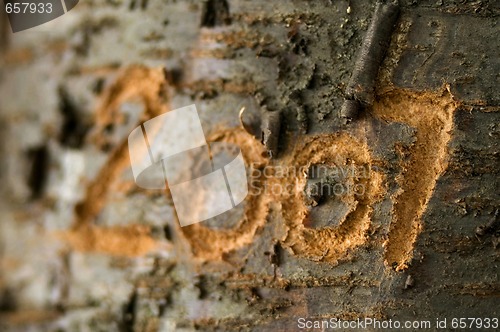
[[82, 248]]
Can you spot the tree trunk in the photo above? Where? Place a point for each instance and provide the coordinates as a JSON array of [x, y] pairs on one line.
[[396, 124]]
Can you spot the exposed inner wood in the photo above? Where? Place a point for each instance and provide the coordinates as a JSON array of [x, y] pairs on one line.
[[210, 244], [431, 114], [135, 82], [330, 244], [130, 241]]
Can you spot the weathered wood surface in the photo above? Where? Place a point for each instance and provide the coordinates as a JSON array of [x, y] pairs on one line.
[[82, 248]]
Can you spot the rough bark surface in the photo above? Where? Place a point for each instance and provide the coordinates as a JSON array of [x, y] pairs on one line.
[[83, 249]]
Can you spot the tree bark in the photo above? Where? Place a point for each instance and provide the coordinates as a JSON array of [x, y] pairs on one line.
[[412, 235]]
